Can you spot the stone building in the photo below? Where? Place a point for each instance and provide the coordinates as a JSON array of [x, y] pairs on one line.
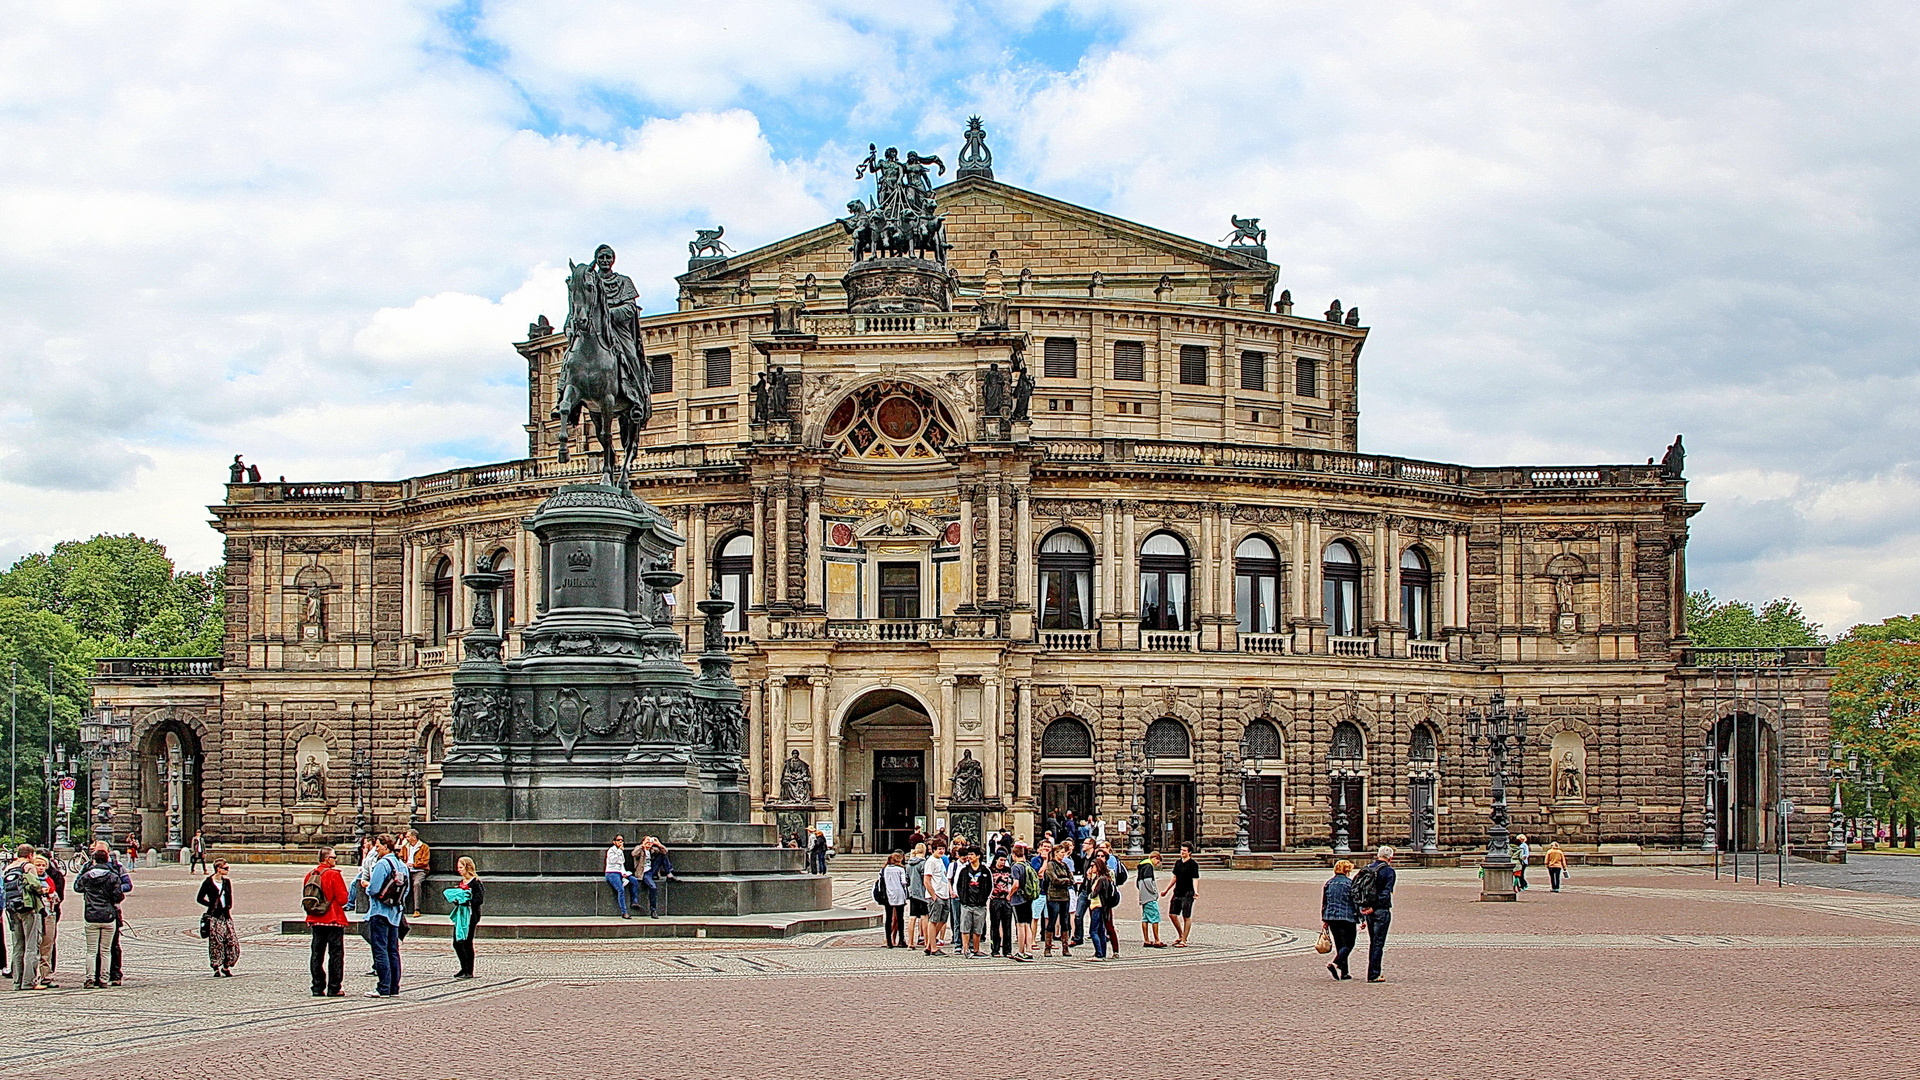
[[1144, 575]]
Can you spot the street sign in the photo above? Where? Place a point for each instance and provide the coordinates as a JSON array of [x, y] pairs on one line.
[[68, 783]]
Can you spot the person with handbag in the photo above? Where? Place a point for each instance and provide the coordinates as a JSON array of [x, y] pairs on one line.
[[1556, 863], [216, 924], [891, 890], [1339, 919], [467, 899]]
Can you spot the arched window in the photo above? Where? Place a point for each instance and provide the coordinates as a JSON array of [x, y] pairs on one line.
[[1347, 744], [1416, 591], [1066, 582], [1066, 738], [1256, 586], [733, 569], [503, 600], [441, 596], [890, 421], [1340, 590], [1163, 583], [1423, 746], [1167, 738], [1263, 741]]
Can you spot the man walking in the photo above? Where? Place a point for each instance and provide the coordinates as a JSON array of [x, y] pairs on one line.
[[386, 899], [25, 897], [100, 886], [1376, 906], [197, 851], [323, 895], [1185, 872]]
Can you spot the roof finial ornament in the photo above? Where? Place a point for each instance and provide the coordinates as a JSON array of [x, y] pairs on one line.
[[1247, 237], [975, 159]]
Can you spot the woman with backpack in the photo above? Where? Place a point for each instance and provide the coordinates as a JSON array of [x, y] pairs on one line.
[[891, 890], [466, 898], [1339, 917], [216, 925]]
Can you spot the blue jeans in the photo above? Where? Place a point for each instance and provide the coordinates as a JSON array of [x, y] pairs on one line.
[[1097, 930], [1080, 917], [646, 882], [385, 939], [1377, 924], [619, 884]]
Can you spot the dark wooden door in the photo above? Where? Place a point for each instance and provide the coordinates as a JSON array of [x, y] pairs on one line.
[[1169, 814], [1349, 795], [1263, 813]]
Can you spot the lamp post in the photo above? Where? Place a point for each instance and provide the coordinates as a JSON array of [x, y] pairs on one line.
[[104, 739], [857, 843], [360, 777], [1848, 773], [62, 799], [1233, 760], [415, 764], [1504, 733], [1342, 837], [1130, 767]]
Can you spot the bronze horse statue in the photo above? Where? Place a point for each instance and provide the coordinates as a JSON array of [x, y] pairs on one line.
[[590, 375]]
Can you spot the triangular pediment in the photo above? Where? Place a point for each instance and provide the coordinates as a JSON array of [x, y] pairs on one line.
[[1059, 247]]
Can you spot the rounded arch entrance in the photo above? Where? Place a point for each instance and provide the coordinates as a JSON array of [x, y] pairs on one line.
[[886, 770], [1743, 752], [168, 759]]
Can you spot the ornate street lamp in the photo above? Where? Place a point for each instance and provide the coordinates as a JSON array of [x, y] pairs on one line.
[[1504, 733], [360, 778], [1129, 765], [1342, 843], [61, 841], [103, 739], [1848, 773], [858, 841], [415, 764]]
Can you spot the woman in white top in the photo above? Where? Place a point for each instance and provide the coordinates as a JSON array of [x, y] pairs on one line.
[[617, 873], [893, 880]]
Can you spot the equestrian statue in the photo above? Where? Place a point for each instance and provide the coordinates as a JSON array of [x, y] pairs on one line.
[[603, 370]]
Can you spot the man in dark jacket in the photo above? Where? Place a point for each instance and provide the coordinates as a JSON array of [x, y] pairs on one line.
[[101, 887], [126, 886], [1378, 912], [974, 887]]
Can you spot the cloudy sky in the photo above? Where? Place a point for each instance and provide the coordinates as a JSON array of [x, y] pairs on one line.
[[307, 232]]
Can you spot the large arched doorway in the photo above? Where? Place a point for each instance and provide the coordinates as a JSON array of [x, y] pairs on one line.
[[1743, 749], [887, 765], [169, 761]]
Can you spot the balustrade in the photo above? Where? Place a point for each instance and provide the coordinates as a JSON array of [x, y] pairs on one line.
[[1352, 646]]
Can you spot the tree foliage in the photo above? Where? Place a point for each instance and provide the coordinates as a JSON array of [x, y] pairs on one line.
[[1777, 623], [59, 611], [1875, 704]]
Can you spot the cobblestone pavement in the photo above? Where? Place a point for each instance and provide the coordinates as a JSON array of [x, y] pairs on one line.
[[1629, 973]]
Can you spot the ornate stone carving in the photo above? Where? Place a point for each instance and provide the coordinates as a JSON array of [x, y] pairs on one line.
[[969, 781]]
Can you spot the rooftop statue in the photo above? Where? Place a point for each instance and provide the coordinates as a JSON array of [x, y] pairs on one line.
[[975, 159], [706, 243], [1673, 465], [603, 368], [1246, 233], [903, 221]]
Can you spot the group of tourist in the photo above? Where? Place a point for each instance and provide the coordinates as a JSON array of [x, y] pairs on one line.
[[392, 876], [1350, 900], [33, 889], [954, 894], [644, 867]]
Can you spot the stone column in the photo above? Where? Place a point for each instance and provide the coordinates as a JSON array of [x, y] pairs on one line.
[[1450, 597], [758, 525], [1297, 601], [1202, 578], [756, 731], [1107, 568], [993, 540], [820, 684], [815, 573], [778, 716], [698, 563], [1380, 559], [968, 586], [1229, 624], [409, 589], [1023, 741], [1128, 600], [1023, 582], [781, 493], [1390, 567], [996, 742], [946, 755]]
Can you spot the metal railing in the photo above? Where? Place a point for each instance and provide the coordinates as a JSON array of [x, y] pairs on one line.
[[1749, 657], [157, 667], [1351, 646]]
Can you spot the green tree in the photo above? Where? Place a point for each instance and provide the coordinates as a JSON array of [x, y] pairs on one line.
[[1875, 705], [1736, 624], [32, 641], [124, 597]]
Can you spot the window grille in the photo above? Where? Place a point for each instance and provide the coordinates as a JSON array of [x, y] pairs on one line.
[[1066, 738], [1130, 360], [1263, 740], [1193, 365], [719, 368], [1346, 742], [1167, 738], [1062, 358], [662, 373]]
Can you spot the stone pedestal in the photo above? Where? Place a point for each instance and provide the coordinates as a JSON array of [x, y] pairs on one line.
[[904, 285], [1496, 884], [600, 728]]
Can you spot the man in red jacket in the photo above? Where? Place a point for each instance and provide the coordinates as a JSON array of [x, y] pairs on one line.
[[327, 927]]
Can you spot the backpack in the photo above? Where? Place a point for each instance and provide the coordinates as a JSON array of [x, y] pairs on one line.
[[15, 883], [394, 892], [1364, 884], [1029, 883], [1120, 874], [313, 899], [880, 889]]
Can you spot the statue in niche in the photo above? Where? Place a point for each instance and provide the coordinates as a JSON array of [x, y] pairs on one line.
[[1022, 394], [310, 780], [796, 779], [779, 395], [969, 781], [1563, 594], [758, 391], [313, 615], [1571, 785], [993, 392]]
